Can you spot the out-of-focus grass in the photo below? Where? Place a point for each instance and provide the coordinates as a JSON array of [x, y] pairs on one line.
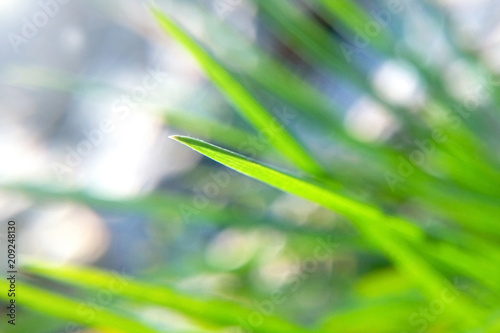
[[429, 229]]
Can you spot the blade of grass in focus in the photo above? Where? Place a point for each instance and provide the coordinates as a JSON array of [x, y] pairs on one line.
[[369, 220]]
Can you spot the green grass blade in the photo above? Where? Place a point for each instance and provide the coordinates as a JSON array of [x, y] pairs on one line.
[[375, 225], [218, 312], [243, 101], [49, 303], [279, 179]]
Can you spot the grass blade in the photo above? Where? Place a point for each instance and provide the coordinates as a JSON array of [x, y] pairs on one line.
[[65, 308], [243, 101], [212, 311], [375, 225]]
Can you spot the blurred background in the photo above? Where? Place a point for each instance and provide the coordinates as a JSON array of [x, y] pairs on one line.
[[92, 90]]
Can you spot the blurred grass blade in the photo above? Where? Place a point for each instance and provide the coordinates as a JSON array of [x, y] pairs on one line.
[[77, 311], [161, 204], [396, 313], [212, 311], [317, 46], [353, 16], [243, 101]]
